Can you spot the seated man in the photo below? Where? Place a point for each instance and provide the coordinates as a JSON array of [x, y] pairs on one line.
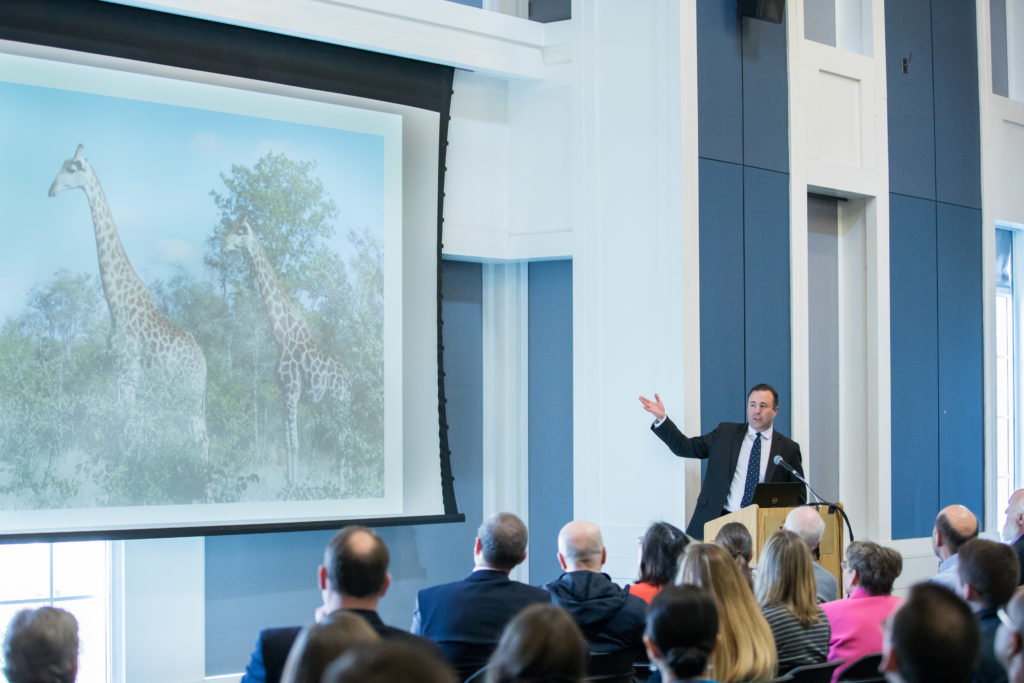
[[931, 638], [41, 645], [954, 526], [989, 572], [466, 617], [353, 577], [611, 619], [805, 522]]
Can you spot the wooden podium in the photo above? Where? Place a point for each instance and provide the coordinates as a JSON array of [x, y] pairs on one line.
[[763, 522]]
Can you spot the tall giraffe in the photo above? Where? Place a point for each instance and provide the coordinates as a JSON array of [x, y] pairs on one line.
[[302, 366], [141, 337]]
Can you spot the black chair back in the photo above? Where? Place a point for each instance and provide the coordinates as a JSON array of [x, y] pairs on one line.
[[611, 667], [815, 673], [863, 670]]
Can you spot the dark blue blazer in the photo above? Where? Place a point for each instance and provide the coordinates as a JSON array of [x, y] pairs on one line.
[[466, 618], [721, 448], [273, 645]]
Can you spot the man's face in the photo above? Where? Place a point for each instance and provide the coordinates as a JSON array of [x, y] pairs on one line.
[[761, 410], [1012, 527]]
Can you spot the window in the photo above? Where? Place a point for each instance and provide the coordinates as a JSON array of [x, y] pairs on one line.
[[1006, 367], [72, 576]]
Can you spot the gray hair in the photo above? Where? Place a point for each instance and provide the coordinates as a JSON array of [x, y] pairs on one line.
[[809, 527], [503, 538], [41, 646]]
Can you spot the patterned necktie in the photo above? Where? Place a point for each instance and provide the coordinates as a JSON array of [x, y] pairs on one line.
[[753, 472]]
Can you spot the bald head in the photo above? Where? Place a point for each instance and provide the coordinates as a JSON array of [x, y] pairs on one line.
[[806, 523], [1014, 526], [580, 547], [954, 526], [356, 561]]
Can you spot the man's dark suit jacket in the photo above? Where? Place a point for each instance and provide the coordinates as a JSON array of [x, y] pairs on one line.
[[1018, 547], [267, 661], [721, 448], [466, 618]]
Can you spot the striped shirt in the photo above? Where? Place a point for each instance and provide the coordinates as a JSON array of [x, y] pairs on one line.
[[796, 645]]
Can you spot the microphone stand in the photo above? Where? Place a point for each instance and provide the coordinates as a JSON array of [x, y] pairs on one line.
[[832, 507]]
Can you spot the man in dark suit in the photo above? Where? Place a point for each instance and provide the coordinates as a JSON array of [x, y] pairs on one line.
[[353, 577], [466, 617], [1013, 530], [988, 574], [730, 449]]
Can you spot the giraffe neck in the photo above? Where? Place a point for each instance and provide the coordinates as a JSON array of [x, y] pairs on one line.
[[117, 275], [285, 320]]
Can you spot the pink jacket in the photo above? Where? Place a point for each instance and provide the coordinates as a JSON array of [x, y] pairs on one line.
[[857, 625]]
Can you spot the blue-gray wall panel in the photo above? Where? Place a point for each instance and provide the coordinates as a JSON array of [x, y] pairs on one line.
[[915, 365], [766, 285], [961, 391], [957, 113], [911, 113], [765, 95], [263, 580], [722, 377], [720, 81], [550, 420]]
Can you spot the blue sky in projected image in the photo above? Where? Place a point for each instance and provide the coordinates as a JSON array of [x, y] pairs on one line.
[[157, 164]]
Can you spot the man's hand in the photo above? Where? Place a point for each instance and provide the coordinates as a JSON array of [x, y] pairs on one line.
[[655, 407]]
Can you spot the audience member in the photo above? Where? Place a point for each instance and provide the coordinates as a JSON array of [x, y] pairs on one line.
[[611, 619], [319, 644], [390, 661], [542, 643], [354, 577], [954, 526], [868, 574], [746, 648], [989, 573], [931, 638], [41, 646], [785, 590], [805, 522], [736, 539], [682, 628], [660, 548], [1009, 645], [1013, 530], [466, 618]]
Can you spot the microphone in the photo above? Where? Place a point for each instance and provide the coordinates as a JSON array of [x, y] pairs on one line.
[[779, 462]]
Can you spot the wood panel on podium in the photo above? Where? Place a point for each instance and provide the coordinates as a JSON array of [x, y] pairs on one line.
[[763, 522]]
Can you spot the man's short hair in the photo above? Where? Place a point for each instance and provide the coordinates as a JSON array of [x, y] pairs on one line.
[[41, 647], [503, 539], [355, 570], [809, 527], [934, 636], [389, 661], [765, 387], [953, 538], [991, 568], [877, 566]]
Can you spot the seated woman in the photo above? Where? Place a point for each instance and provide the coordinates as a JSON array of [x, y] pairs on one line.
[[541, 643], [735, 538], [787, 592], [682, 627], [660, 548], [868, 575], [746, 648], [319, 644]]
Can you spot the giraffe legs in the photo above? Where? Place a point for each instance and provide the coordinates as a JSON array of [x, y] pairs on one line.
[[291, 404]]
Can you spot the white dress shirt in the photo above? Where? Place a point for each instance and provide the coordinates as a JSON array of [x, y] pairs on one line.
[[739, 477]]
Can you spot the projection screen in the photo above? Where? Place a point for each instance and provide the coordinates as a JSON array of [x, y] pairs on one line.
[[218, 309]]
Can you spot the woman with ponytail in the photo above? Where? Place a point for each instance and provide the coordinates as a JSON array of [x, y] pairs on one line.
[[682, 627]]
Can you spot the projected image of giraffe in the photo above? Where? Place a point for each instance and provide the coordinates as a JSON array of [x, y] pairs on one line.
[[142, 339], [303, 367]]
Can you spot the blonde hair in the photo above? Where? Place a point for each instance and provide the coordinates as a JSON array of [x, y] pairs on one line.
[[746, 647], [785, 577]]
